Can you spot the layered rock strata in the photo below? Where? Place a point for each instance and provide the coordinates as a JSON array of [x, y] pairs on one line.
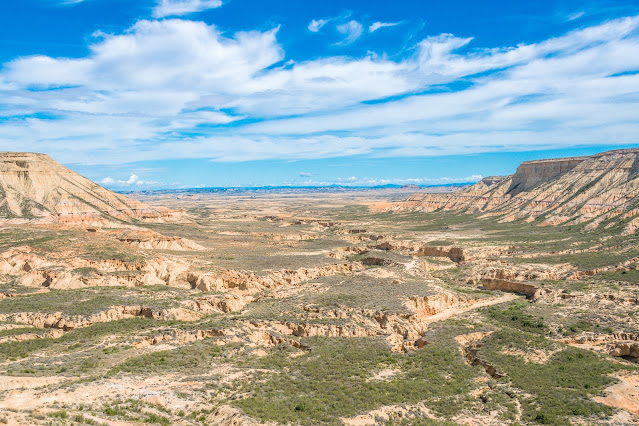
[[598, 189], [36, 188]]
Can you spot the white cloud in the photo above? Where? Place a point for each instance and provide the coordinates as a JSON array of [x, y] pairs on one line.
[[180, 89], [576, 15], [166, 8], [65, 2], [377, 25], [317, 24], [133, 180], [352, 30], [159, 67]]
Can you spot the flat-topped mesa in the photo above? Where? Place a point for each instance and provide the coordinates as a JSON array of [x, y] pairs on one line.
[[590, 189], [533, 173], [34, 187]]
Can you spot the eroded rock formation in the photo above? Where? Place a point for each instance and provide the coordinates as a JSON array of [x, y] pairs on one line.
[[35, 188], [595, 189]]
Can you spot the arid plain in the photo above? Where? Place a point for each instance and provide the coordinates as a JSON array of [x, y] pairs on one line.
[[513, 301]]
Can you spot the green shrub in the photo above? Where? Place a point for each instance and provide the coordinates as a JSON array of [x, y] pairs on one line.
[[558, 389], [61, 414], [333, 381], [515, 316]]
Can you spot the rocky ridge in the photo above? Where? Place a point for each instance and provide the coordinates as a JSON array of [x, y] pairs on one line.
[[598, 189], [35, 188]]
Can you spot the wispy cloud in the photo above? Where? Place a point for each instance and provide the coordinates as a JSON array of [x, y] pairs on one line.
[[316, 24], [174, 89], [166, 8], [65, 2], [576, 15], [377, 25], [352, 30]]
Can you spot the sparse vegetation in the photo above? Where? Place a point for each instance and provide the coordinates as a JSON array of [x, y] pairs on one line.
[[333, 381], [515, 315], [191, 358], [261, 361], [551, 391]]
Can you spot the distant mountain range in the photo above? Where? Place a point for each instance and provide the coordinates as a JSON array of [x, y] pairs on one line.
[[296, 189]]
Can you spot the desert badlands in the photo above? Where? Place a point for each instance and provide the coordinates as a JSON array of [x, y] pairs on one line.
[[512, 301]]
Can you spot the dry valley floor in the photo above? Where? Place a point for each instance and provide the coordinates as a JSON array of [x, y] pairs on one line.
[[318, 309]]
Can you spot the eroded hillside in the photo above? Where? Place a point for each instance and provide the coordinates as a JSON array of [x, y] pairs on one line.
[[34, 188], [600, 190]]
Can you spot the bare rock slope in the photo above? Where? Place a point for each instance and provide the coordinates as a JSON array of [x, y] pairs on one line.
[[34, 187], [603, 188]]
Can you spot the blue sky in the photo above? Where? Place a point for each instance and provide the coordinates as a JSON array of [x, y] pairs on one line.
[[185, 93]]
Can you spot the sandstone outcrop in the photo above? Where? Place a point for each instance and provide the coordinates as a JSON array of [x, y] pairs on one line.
[[516, 278], [64, 322], [416, 248], [530, 290], [346, 252], [33, 270], [249, 282], [217, 304], [437, 303], [520, 272], [595, 189], [624, 345], [180, 337], [404, 331], [625, 349], [35, 188], [146, 239]]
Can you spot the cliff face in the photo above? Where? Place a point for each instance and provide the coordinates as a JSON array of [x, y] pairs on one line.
[[34, 187], [598, 188], [533, 173]]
